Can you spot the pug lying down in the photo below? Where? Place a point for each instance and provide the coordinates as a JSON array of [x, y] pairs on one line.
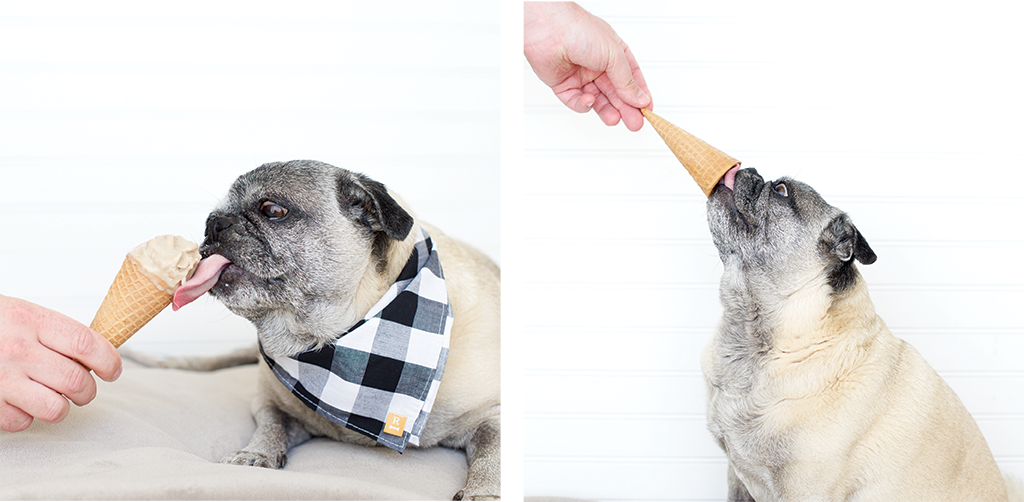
[[810, 395], [369, 321]]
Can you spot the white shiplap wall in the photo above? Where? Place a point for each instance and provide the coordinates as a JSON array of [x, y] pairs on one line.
[[904, 114], [120, 121]]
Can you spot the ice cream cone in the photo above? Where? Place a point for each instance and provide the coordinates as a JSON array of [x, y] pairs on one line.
[[705, 163], [133, 300]]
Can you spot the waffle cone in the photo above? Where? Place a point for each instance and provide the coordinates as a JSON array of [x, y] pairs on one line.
[[132, 301], [705, 163]]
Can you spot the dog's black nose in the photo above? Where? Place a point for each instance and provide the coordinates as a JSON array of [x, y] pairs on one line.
[[216, 225]]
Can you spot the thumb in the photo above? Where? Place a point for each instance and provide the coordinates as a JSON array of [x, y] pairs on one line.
[[620, 73]]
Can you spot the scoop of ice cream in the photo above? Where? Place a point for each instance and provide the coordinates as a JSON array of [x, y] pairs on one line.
[[170, 258]]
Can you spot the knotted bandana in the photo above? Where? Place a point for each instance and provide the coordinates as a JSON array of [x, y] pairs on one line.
[[386, 369]]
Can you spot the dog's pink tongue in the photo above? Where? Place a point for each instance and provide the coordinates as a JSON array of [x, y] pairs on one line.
[[729, 179], [203, 280]]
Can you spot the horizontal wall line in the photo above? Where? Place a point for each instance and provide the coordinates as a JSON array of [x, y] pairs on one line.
[[604, 372], [673, 286], [957, 331], [590, 459], [645, 499], [619, 373], [541, 415], [680, 197], [621, 285], [580, 330], [654, 152], [616, 499], [684, 330], [615, 416], [875, 243], [642, 330]]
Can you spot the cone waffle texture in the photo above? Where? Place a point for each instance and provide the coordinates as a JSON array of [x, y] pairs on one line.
[[132, 301], [705, 163]]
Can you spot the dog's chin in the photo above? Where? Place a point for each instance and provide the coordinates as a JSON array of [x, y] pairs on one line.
[[283, 332], [721, 195], [285, 327], [279, 331], [726, 221], [279, 339], [243, 293]]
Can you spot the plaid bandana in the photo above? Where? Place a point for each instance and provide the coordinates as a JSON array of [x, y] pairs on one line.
[[387, 368]]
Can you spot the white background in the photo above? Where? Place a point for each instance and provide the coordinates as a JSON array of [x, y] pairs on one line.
[[905, 114], [120, 121]]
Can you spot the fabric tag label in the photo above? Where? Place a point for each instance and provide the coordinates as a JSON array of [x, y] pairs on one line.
[[395, 425]]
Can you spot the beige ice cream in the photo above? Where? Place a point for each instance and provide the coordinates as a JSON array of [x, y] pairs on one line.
[[145, 286], [169, 258]]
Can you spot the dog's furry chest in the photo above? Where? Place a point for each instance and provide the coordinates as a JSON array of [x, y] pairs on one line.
[[763, 399], [739, 418]]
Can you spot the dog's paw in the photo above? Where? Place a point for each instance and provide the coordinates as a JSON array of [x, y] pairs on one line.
[[462, 496], [255, 459]]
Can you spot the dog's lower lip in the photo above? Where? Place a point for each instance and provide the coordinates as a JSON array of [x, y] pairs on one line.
[[233, 272]]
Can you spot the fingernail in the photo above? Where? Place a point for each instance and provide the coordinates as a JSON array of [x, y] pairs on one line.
[[641, 96], [118, 374]]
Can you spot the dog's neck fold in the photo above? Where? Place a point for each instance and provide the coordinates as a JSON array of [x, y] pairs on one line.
[[376, 281], [808, 315]]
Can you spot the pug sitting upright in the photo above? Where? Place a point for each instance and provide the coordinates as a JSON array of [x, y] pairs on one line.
[[809, 393], [369, 321]]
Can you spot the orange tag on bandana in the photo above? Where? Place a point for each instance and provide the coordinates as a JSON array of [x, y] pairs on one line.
[[395, 425]]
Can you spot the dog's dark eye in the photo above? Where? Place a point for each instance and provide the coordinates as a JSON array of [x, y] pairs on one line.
[[782, 190], [273, 211]]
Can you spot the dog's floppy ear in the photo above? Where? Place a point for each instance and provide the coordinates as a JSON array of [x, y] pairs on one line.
[[843, 240], [843, 243], [367, 202]]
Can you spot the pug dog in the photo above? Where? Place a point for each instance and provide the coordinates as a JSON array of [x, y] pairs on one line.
[[809, 394], [303, 250]]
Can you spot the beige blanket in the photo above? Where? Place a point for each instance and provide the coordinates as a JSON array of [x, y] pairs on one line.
[[158, 434]]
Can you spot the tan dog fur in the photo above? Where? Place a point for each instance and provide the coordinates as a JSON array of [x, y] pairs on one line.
[[810, 395]]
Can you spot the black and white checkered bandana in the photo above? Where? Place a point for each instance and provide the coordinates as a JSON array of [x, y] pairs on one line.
[[387, 368]]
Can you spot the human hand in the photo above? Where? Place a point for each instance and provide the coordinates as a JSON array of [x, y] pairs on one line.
[[584, 62], [38, 368]]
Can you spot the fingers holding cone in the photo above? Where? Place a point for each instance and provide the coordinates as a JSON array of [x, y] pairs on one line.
[[704, 162]]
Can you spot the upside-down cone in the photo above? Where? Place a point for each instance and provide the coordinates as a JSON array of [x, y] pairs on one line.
[[133, 300], [705, 163]]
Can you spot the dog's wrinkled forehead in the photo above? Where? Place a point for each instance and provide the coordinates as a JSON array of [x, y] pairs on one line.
[[807, 204], [780, 209], [282, 182]]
